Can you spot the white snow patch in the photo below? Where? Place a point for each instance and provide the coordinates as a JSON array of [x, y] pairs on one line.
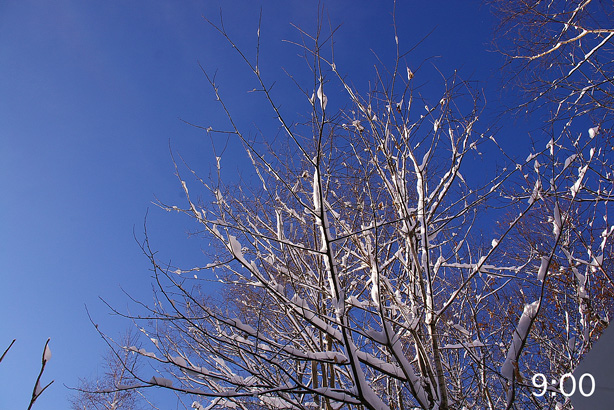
[[536, 191], [571, 343], [47, 354], [161, 381], [179, 361], [379, 337], [557, 223], [124, 387], [597, 262], [317, 204], [543, 268], [593, 131], [322, 97], [142, 352], [569, 160], [576, 187], [410, 75], [38, 389], [520, 335], [475, 343], [461, 329], [235, 246]]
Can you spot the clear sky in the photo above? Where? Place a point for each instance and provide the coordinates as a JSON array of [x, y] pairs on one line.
[[91, 93]]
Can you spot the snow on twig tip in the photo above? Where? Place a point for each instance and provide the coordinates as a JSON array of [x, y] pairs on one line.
[[593, 131], [47, 354], [410, 74]]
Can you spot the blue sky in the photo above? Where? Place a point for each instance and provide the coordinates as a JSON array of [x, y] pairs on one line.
[[91, 95]]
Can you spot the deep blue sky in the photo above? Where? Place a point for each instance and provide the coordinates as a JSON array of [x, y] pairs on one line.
[[90, 95]]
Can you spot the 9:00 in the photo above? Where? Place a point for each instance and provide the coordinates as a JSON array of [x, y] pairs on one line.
[[544, 384]]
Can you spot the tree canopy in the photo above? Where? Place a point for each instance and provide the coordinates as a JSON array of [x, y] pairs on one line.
[[366, 265]]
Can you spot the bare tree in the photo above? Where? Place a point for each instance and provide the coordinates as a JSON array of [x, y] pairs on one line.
[[357, 271], [566, 240], [114, 389], [561, 53]]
